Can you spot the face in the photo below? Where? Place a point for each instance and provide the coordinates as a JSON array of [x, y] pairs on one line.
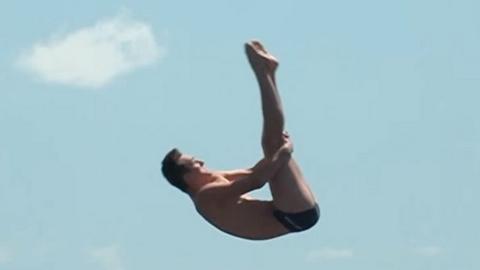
[[193, 164]]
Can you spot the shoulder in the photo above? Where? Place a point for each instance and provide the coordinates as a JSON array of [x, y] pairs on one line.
[[218, 193], [206, 200], [210, 193]]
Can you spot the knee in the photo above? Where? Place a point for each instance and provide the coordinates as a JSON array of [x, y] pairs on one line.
[[271, 144]]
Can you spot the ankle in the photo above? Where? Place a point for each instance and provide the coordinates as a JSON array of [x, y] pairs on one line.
[[264, 75]]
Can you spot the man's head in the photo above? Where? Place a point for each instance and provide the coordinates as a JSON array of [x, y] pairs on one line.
[[176, 166]]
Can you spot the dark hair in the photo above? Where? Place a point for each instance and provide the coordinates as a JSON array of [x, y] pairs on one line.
[[173, 171]]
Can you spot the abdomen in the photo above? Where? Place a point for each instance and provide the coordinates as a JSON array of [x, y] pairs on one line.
[[246, 218]]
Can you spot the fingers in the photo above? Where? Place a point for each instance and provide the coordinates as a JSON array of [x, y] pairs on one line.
[[285, 150], [286, 137], [287, 141]]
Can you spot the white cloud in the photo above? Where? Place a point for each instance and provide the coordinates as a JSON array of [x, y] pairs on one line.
[[95, 55], [5, 255], [428, 251], [329, 254], [109, 257]]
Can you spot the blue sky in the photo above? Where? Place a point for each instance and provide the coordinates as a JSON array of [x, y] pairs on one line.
[[380, 98]]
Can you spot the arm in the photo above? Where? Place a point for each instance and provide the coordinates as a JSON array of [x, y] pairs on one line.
[[234, 175], [265, 169]]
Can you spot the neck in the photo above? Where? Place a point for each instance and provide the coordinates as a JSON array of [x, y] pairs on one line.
[[199, 181]]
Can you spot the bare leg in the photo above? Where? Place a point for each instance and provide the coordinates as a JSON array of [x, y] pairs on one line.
[[264, 66], [289, 190]]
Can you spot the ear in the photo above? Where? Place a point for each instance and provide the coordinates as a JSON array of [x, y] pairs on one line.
[[188, 176]]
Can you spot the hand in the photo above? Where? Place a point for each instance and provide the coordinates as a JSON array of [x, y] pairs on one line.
[[285, 151], [287, 142]]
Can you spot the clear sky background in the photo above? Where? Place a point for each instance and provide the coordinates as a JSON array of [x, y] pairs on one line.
[[381, 100]]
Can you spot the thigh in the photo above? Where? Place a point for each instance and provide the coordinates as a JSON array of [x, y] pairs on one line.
[[290, 191]]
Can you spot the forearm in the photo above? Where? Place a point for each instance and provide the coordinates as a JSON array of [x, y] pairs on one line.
[[263, 171], [234, 175], [270, 168], [261, 168], [259, 175], [267, 168]]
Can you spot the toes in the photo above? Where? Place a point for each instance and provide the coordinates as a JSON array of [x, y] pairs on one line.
[[255, 45], [259, 46], [251, 49], [257, 55]]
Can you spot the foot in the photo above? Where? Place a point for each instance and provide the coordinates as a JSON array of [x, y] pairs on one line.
[[260, 59]]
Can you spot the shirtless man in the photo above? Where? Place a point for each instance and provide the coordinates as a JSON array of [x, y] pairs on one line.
[[221, 196]]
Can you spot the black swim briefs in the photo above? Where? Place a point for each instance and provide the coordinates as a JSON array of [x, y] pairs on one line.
[[296, 222]]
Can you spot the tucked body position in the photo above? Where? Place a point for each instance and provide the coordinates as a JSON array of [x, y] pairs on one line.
[[221, 197]]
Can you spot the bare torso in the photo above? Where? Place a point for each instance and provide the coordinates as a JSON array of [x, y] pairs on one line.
[[242, 216]]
